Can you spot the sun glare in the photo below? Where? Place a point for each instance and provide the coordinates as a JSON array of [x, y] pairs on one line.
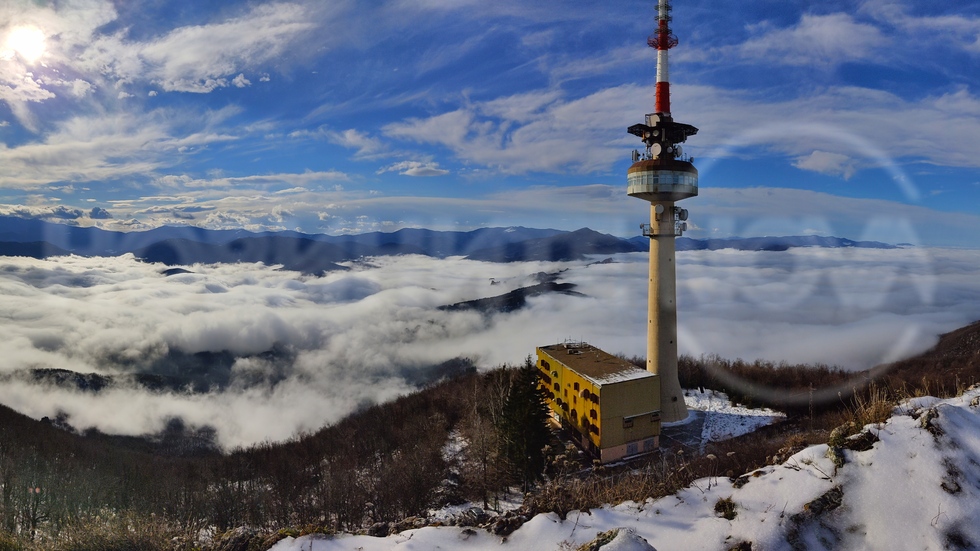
[[27, 42]]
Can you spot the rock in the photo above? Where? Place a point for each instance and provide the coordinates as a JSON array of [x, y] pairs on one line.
[[409, 523], [926, 421], [237, 539], [474, 516], [505, 524], [379, 529], [836, 454], [827, 502], [840, 434], [813, 510], [618, 539]]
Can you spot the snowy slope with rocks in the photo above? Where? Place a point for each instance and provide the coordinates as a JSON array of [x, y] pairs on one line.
[[915, 485], [723, 419]]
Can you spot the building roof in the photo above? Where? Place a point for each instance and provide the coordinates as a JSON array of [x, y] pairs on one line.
[[598, 366]]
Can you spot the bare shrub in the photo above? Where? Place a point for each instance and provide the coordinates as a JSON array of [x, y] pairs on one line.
[[725, 508], [9, 542], [120, 532]]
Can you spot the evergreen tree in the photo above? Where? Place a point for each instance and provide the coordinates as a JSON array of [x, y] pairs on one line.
[[523, 425]]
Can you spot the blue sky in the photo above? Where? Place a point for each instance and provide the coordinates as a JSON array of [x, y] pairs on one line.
[[859, 119]]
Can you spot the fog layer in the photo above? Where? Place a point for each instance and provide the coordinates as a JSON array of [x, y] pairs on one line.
[[284, 353]]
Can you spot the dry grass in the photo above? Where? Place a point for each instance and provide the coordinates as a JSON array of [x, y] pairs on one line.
[[9, 542], [873, 406]]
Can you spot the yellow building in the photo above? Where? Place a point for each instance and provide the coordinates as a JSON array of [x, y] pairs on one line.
[[612, 404]]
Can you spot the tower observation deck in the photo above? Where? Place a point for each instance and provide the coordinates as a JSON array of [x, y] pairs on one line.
[[662, 175]]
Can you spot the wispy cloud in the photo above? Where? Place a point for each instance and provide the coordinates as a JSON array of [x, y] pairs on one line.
[[835, 120], [526, 133], [368, 147], [104, 147], [957, 30], [202, 58], [817, 40], [415, 168]]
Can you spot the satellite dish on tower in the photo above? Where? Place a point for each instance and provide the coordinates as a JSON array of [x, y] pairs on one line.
[[655, 150]]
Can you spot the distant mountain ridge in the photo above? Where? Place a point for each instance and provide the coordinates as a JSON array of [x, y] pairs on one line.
[[770, 243], [319, 253]]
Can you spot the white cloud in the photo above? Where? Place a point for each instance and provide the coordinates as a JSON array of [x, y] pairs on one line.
[[415, 168], [194, 58], [308, 178], [202, 58], [961, 31], [527, 132], [878, 126], [833, 164], [41, 211], [817, 40], [367, 147], [19, 86], [544, 132], [105, 146], [364, 335], [80, 88]]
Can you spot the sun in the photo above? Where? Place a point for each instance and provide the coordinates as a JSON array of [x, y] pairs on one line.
[[26, 41]]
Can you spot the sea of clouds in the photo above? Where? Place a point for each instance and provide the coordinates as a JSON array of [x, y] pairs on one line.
[[306, 351]]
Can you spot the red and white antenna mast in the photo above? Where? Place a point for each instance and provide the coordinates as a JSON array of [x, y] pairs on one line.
[[663, 40]]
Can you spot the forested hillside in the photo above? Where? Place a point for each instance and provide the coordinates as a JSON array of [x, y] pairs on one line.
[[388, 462], [383, 468]]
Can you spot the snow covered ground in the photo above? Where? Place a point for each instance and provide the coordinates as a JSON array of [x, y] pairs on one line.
[[918, 487], [724, 420]]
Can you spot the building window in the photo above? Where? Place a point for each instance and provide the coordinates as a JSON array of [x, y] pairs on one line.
[[627, 423], [595, 398], [557, 387], [576, 387], [649, 445], [574, 399], [586, 394], [566, 393], [593, 414], [632, 448], [545, 364]]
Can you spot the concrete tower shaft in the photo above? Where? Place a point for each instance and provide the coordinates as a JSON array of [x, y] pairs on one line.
[[662, 311]]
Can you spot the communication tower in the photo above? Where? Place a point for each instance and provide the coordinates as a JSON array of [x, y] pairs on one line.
[[662, 175]]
